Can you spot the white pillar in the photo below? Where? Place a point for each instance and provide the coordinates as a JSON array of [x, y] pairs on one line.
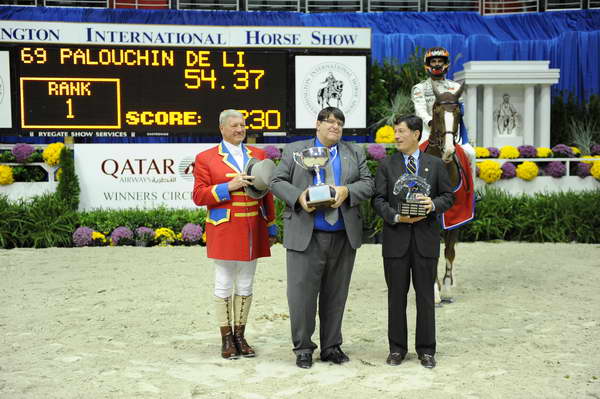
[[488, 116], [529, 116], [471, 114], [543, 128]]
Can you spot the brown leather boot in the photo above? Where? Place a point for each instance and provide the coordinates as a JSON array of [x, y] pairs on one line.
[[228, 349], [238, 336]]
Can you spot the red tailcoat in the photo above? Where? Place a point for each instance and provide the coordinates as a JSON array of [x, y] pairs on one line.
[[237, 226]]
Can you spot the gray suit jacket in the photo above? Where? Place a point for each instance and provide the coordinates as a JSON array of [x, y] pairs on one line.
[[396, 236], [290, 180]]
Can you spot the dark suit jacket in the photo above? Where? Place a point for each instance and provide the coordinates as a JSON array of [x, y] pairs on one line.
[[396, 236], [289, 180]]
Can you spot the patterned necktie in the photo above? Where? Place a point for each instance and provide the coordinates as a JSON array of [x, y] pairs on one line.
[[411, 166], [331, 215]]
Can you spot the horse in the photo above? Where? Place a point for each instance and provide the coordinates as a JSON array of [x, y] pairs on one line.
[[446, 120], [330, 92]]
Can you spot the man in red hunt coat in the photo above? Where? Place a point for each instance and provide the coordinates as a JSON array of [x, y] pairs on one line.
[[240, 227]]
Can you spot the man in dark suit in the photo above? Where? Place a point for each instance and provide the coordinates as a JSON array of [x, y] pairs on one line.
[[321, 244], [411, 244]]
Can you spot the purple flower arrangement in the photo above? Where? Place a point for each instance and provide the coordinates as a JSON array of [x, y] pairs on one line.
[[82, 236], [595, 149], [583, 169], [144, 234], [527, 151], [509, 170], [494, 152], [191, 233], [22, 151], [376, 151], [122, 236], [555, 169], [272, 152], [563, 151]]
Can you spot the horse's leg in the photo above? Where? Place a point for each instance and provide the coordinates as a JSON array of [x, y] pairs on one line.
[[436, 290], [450, 239]]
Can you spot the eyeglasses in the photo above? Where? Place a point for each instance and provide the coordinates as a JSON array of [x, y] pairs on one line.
[[334, 122]]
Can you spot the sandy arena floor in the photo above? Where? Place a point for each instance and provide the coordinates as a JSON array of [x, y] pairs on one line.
[[138, 323]]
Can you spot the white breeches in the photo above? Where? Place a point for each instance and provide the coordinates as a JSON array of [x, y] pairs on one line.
[[230, 274]]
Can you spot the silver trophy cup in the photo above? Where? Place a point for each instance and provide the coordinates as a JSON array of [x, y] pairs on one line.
[[407, 188], [314, 158]]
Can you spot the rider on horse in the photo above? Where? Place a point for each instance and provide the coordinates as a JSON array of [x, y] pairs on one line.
[[436, 63]]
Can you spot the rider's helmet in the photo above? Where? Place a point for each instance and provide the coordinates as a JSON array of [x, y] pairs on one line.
[[436, 52]]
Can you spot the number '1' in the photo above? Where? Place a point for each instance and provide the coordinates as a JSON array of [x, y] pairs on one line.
[[70, 107]]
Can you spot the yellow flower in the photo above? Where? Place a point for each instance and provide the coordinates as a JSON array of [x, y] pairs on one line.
[[509, 152], [384, 134], [544, 152], [58, 174], [204, 236], [527, 170], [51, 153], [595, 170], [590, 156], [489, 171], [576, 150], [482, 152], [164, 236], [99, 236], [6, 175]]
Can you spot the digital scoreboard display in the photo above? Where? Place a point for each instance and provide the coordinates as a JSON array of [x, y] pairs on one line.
[[119, 90]]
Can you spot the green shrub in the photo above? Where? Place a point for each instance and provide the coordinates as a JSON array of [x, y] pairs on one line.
[[68, 185], [106, 221], [556, 217], [47, 222], [11, 222], [565, 111]]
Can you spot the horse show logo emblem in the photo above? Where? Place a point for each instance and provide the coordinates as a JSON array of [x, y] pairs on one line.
[[330, 84]]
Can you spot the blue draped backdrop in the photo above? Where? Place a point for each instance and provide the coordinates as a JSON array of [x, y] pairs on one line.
[[569, 39]]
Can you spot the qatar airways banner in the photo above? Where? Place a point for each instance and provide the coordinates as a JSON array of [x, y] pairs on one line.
[[119, 176], [184, 35]]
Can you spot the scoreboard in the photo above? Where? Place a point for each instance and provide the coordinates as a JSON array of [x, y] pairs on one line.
[[87, 79], [150, 91]]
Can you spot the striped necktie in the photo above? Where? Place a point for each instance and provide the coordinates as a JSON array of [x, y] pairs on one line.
[[411, 166]]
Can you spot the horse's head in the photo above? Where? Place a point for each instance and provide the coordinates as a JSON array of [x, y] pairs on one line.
[[445, 121]]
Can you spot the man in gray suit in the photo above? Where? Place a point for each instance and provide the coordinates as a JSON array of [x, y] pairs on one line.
[[411, 245], [321, 244]]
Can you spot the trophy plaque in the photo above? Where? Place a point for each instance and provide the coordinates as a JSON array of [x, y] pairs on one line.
[[320, 195], [407, 188]]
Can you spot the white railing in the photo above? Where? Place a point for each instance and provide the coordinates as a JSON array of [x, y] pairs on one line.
[[273, 5], [228, 5], [455, 5], [556, 5], [506, 7], [482, 6], [334, 5], [393, 5]]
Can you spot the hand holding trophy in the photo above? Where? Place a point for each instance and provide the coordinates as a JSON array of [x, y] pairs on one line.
[[411, 189], [320, 195]]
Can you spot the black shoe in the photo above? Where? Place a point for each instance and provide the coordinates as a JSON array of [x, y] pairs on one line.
[[304, 360], [395, 359], [427, 361], [335, 355]]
